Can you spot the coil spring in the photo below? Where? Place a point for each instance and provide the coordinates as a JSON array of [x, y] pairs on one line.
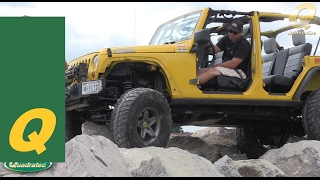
[[127, 85]]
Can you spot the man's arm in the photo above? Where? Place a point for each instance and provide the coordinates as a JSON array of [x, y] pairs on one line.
[[242, 51], [216, 48], [232, 64]]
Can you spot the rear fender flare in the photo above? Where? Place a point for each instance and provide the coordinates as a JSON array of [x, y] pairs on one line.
[[305, 82]]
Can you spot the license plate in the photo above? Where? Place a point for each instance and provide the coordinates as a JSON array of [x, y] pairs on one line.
[[91, 87]]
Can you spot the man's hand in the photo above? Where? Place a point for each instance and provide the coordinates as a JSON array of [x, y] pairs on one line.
[[232, 64], [216, 48]]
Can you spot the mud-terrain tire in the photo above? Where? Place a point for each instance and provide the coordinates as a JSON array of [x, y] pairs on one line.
[[255, 144], [241, 141], [311, 115], [72, 125], [141, 118]]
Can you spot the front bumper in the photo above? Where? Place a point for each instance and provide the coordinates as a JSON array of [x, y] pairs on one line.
[[74, 96]]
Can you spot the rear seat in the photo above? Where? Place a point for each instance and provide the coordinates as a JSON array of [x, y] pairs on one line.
[[270, 47], [287, 65]]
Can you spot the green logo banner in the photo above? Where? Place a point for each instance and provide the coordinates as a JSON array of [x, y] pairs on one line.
[[32, 108], [27, 166]]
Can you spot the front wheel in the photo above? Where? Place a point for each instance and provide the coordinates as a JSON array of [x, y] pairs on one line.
[[72, 125], [141, 118]]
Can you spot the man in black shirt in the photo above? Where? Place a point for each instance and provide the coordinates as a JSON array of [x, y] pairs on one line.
[[236, 55]]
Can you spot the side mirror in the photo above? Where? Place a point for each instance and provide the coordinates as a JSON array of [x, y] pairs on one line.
[[202, 36]]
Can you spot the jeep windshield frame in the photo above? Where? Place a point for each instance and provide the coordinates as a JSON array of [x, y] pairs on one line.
[[176, 30]]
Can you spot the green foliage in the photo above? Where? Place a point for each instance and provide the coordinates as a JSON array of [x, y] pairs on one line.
[[177, 129]]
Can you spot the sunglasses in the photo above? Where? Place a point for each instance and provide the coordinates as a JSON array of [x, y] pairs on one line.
[[235, 33]]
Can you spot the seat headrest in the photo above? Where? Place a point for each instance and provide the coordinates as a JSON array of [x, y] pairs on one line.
[[245, 30], [298, 37], [270, 45]]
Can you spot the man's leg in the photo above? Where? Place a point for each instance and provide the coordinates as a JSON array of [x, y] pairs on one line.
[[201, 71], [208, 74]]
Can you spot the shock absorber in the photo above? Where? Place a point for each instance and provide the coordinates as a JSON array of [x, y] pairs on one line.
[[127, 85]]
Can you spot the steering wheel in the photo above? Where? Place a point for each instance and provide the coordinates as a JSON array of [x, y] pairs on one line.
[[208, 53]]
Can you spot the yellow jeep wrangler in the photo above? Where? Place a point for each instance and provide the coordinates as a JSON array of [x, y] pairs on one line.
[[141, 92]]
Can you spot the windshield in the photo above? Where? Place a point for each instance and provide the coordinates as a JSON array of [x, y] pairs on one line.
[[176, 30]]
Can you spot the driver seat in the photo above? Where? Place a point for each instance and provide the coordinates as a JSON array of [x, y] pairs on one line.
[[226, 83]]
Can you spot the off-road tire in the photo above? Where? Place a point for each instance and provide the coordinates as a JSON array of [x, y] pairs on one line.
[[254, 149], [241, 141], [126, 125], [254, 145], [72, 125], [311, 115]]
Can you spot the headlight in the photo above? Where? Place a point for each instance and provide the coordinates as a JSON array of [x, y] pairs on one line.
[[95, 61]]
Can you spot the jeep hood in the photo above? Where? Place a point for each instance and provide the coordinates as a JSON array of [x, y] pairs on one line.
[[168, 48]]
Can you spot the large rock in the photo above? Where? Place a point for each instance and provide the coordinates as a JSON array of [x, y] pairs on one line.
[[97, 156], [211, 147], [190, 156], [89, 156], [168, 162], [91, 128], [300, 159], [247, 168], [227, 133]]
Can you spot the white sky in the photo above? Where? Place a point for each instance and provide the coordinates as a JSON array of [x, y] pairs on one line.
[[94, 25]]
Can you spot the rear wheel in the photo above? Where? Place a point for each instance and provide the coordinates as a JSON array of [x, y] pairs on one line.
[[311, 115], [141, 118], [256, 141], [241, 141]]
